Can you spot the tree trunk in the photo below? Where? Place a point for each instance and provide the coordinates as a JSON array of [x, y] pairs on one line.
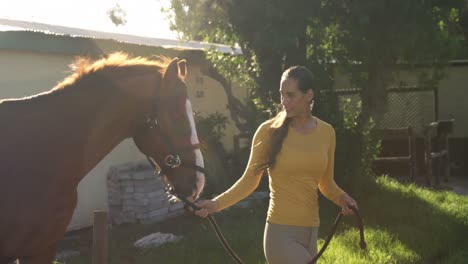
[[237, 110], [374, 95]]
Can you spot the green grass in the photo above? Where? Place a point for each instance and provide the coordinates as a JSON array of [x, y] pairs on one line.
[[404, 224]]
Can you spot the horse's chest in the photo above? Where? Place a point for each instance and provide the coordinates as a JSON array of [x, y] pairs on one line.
[[39, 224]]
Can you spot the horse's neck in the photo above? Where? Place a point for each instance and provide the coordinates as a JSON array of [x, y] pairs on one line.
[[73, 129], [106, 123]]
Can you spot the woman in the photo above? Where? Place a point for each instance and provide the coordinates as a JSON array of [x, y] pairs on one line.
[[297, 149]]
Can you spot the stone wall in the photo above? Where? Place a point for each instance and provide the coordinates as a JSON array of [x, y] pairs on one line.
[[136, 195]]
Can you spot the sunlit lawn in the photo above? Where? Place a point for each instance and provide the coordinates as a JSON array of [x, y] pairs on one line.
[[404, 224]]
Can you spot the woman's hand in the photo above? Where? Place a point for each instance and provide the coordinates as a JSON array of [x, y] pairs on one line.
[[207, 207], [345, 202]]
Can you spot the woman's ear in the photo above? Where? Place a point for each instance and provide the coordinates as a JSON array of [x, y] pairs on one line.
[[310, 95]]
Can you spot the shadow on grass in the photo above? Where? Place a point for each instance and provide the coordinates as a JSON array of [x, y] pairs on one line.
[[243, 229]]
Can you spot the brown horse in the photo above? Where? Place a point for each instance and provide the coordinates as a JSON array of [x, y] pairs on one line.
[[50, 141]]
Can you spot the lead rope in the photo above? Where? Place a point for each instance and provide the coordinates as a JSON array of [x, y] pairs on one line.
[[338, 219], [233, 254], [221, 238], [213, 223], [362, 242], [238, 260]]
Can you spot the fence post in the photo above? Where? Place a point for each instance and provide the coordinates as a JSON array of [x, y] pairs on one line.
[[100, 238]]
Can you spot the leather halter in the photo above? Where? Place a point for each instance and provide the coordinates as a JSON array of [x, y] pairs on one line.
[[171, 160]]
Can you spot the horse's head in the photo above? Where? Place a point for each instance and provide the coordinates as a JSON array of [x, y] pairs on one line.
[[169, 135]]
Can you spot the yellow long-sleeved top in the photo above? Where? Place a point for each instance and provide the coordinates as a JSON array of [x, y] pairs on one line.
[[304, 164]]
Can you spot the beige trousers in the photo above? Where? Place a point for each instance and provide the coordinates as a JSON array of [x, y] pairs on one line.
[[285, 244]]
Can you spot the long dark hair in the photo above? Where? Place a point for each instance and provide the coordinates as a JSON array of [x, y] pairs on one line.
[[280, 125]]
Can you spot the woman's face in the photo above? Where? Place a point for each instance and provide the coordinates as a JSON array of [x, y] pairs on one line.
[[294, 101]]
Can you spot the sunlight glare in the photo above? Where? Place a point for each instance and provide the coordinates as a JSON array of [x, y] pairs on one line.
[[144, 17]]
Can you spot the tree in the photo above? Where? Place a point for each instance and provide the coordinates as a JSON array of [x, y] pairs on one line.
[[366, 38], [117, 15], [381, 35], [254, 26]]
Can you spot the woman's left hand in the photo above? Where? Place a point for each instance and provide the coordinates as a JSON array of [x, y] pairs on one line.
[[345, 202]]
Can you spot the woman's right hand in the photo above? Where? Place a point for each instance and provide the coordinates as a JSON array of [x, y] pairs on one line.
[[207, 207]]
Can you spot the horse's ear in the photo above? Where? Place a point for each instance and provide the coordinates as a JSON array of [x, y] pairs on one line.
[[172, 70], [182, 69]]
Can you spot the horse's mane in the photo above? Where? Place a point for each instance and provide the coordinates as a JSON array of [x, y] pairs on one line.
[[83, 66]]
